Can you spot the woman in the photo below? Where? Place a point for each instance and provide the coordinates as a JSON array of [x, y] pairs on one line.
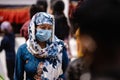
[[43, 56]]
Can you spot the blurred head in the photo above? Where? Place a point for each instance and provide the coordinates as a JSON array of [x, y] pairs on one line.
[[42, 25], [35, 8], [58, 6], [6, 27], [43, 4]]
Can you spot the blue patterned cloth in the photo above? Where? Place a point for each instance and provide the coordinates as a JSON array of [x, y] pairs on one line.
[[43, 18]]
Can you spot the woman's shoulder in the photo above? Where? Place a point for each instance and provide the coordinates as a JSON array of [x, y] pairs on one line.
[[60, 42], [22, 50], [23, 46]]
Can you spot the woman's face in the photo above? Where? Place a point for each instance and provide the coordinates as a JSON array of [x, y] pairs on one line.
[[43, 32], [45, 27]]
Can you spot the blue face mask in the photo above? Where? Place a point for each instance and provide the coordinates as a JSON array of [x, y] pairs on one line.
[[43, 35]]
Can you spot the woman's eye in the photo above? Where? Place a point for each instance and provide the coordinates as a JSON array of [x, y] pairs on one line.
[[42, 27], [48, 27]]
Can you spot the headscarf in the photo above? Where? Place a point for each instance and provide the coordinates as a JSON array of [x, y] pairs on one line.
[[53, 51], [38, 19]]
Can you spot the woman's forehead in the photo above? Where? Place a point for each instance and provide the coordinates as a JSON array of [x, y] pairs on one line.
[[44, 26]]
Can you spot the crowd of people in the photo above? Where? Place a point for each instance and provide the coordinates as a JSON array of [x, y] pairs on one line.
[[46, 53]]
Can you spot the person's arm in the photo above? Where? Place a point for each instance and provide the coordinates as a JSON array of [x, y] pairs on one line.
[[3, 44], [65, 62], [19, 66]]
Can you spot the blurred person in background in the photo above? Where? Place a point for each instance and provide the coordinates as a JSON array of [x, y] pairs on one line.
[[8, 44], [61, 25], [43, 56], [80, 68], [43, 4], [100, 20], [38, 7], [72, 6], [24, 30], [62, 28], [74, 40]]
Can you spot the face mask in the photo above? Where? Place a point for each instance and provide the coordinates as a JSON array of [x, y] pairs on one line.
[[43, 35]]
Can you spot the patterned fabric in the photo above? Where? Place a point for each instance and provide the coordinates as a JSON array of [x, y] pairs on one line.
[[43, 18], [50, 51], [50, 69]]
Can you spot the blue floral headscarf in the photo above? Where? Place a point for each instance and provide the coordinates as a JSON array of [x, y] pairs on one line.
[[38, 19]]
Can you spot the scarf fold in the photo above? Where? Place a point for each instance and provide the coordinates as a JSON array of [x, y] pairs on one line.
[[50, 51]]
